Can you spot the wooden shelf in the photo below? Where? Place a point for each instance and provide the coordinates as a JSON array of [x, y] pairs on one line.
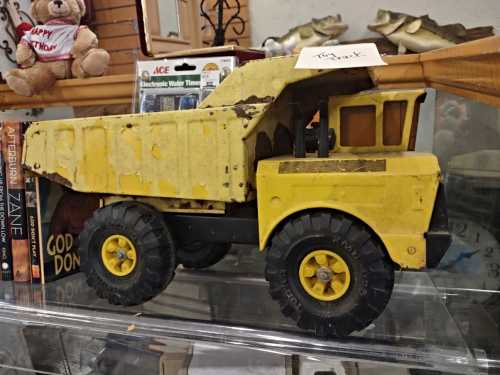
[[471, 70], [116, 89]]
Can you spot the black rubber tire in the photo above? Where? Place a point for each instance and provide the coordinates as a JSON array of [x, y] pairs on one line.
[[417, 371], [198, 255], [372, 273], [145, 227]]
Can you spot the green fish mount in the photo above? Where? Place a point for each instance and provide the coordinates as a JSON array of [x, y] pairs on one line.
[[421, 34]]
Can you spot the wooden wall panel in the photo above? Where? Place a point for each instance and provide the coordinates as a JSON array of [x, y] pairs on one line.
[[124, 57], [117, 29], [121, 43], [121, 69], [116, 14], [107, 4], [116, 25]]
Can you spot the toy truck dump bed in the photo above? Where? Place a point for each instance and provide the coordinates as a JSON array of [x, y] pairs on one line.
[[208, 153], [196, 154]]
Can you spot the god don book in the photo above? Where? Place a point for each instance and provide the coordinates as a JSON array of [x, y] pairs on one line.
[[60, 216]]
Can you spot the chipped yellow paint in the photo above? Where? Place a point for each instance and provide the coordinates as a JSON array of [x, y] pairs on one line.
[[382, 199], [95, 152], [156, 152], [66, 141], [200, 190], [167, 189], [152, 155], [207, 131], [259, 80], [132, 140], [133, 183]]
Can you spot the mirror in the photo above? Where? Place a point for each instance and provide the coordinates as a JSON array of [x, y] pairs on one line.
[[169, 18], [168, 25]]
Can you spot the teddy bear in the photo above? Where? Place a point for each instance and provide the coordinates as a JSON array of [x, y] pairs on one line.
[[57, 48]]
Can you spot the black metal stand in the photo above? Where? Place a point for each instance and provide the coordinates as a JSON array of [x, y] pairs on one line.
[[8, 45], [220, 28]]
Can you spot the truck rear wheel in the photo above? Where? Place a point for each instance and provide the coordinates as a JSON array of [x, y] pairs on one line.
[[201, 254], [127, 253], [329, 273]]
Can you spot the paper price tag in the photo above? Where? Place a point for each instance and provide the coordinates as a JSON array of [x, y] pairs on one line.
[[339, 57]]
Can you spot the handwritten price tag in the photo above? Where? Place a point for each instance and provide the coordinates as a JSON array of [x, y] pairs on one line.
[[338, 57]]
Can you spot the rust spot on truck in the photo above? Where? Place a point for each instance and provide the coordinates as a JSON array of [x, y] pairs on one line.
[[245, 111], [253, 99], [185, 205], [55, 177], [330, 166]]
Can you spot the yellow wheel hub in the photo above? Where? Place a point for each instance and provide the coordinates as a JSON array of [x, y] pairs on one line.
[[119, 255], [324, 275]]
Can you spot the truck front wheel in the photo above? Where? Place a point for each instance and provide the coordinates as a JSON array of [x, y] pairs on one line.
[[127, 253], [328, 273]]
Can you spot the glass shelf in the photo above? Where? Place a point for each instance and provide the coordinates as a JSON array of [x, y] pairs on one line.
[[433, 320]]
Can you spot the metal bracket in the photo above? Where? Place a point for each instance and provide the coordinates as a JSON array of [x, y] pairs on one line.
[[220, 28]]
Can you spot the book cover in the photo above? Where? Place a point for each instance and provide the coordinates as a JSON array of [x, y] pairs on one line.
[[5, 251], [61, 217], [32, 222], [16, 206]]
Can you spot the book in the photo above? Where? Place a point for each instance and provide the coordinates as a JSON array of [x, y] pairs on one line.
[[33, 227], [61, 214], [12, 135], [5, 250]]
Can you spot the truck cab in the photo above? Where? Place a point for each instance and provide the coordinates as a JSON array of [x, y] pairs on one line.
[[370, 174]]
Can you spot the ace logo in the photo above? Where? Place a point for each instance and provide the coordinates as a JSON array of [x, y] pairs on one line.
[[162, 69]]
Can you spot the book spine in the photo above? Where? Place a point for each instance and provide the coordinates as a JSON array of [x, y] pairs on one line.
[[16, 205], [40, 231], [32, 221], [5, 250]]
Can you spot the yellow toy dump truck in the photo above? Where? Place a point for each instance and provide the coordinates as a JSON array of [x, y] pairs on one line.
[[337, 205]]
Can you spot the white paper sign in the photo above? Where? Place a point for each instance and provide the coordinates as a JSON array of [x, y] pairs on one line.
[[338, 57]]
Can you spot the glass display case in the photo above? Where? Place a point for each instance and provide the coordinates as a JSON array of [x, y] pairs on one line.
[[226, 318], [146, 193]]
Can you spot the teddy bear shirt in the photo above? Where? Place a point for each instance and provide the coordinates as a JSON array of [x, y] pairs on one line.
[[52, 41]]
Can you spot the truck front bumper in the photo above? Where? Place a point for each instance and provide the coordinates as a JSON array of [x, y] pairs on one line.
[[438, 238], [437, 243]]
